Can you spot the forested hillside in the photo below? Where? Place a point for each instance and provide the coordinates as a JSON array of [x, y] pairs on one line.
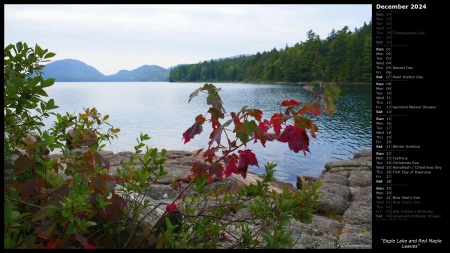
[[345, 56]]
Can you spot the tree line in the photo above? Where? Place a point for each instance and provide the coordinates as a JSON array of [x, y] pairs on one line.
[[345, 56]]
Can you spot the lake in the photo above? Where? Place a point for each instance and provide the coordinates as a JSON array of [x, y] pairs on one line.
[[161, 110]]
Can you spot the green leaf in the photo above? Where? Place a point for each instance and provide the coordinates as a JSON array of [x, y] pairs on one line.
[[332, 90], [316, 185], [285, 222], [19, 46], [34, 81], [71, 231], [250, 127], [215, 101], [38, 50], [153, 153], [227, 123], [8, 48], [41, 92], [47, 82], [51, 162], [242, 136], [7, 208], [90, 223], [51, 104], [210, 88], [14, 215], [267, 236], [52, 207], [49, 55], [42, 108], [7, 242], [330, 107], [215, 114], [66, 213]]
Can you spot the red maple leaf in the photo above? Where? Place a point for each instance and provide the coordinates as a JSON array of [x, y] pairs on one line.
[[256, 113], [223, 236], [32, 186], [215, 124], [88, 246], [231, 168], [236, 120], [99, 182], [290, 103], [50, 245], [276, 120], [171, 208], [196, 128], [261, 133], [114, 210], [314, 108], [215, 169], [216, 135], [246, 158], [176, 186], [198, 169], [101, 160], [230, 161], [296, 138], [264, 125]]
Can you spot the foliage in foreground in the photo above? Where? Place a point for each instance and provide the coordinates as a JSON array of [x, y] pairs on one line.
[[74, 202]]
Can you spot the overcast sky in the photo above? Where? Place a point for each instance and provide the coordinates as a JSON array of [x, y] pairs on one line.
[[124, 37]]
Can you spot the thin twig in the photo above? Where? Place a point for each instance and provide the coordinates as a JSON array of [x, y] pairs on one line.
[[137, 224], [19, 201]]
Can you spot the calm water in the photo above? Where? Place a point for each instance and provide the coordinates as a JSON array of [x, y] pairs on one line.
[[161, 110]]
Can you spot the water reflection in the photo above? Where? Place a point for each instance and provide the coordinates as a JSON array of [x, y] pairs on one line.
[[162, 111]]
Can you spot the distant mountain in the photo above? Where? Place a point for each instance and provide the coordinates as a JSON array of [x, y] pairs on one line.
[[144, 73], [70, 70]]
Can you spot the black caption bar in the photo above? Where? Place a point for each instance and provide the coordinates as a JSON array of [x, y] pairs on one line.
[[409, 131]]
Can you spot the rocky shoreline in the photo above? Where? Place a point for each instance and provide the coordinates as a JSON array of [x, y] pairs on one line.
[[343, 218]]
